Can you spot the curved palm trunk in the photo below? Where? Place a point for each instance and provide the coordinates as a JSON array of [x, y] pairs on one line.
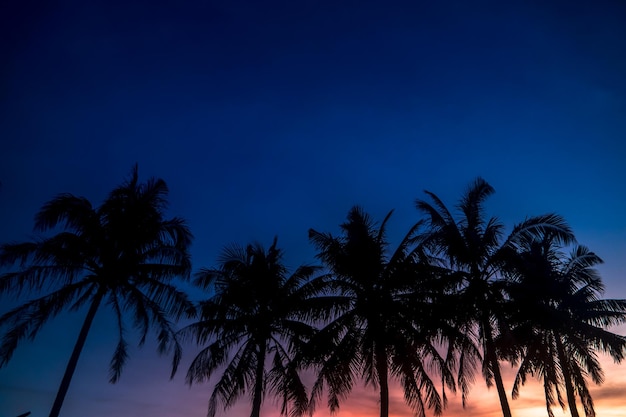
[[567, 377], [258, 383], [492, 358], [78, 347], [383, 371], [497, 376]]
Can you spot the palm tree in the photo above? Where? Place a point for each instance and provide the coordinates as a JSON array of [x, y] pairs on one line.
[[562, 321], [252, 327], [387, 325], [473, 249], [123, 254]]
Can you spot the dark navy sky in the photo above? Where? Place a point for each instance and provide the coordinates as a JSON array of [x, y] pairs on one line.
[[267, 118]]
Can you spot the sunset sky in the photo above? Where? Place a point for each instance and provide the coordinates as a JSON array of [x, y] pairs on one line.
[[271, 117]]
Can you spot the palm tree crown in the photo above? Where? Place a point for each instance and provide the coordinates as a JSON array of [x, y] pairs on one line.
[[561, 321], [474, 250], [252, 327], [123, 253], [385, 326]]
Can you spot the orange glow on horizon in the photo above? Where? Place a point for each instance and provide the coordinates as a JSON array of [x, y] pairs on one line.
[[609, 399]]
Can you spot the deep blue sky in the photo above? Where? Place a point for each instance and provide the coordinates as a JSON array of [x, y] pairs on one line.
[[267, 118]]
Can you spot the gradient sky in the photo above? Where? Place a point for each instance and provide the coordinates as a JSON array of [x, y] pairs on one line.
[[270, 117]]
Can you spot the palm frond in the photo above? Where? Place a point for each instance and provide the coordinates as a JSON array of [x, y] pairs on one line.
[[26, 320], [238, 375], [66, 210], [472, 201], [439, 214], [121, 351], [533, 228]]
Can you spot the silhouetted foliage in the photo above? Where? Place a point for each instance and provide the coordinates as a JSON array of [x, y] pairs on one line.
[[455, 294], [561, 321], [124, 254], [387, 326], [475, 251], [252, 327]]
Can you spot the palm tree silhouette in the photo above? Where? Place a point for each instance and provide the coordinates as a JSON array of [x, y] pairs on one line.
[[473, 249], [562, 321], [385, 324], [256, 319], [124, 254]]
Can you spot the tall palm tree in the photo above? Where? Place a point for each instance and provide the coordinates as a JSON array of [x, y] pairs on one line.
[[562, 321], [252, 327], [387, 325], [123, 254], [474, 249]]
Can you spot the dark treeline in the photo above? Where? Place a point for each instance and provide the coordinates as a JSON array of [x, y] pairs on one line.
[[455, 298]]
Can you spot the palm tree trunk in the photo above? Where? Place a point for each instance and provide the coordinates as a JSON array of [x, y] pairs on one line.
[[492, 358], [497, 376], [382, 370], [78, 347], [259, 379], [567, 377]]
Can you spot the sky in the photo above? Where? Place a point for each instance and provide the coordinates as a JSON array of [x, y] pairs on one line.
[[269, 118]]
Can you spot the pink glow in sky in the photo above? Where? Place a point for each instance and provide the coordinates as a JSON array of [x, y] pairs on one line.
[[270, 117], [145, 390]]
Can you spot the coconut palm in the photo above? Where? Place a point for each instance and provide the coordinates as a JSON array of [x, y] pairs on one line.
[[473, 248], [252, 327], [123, 254], [562, 322], [387, 326]]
